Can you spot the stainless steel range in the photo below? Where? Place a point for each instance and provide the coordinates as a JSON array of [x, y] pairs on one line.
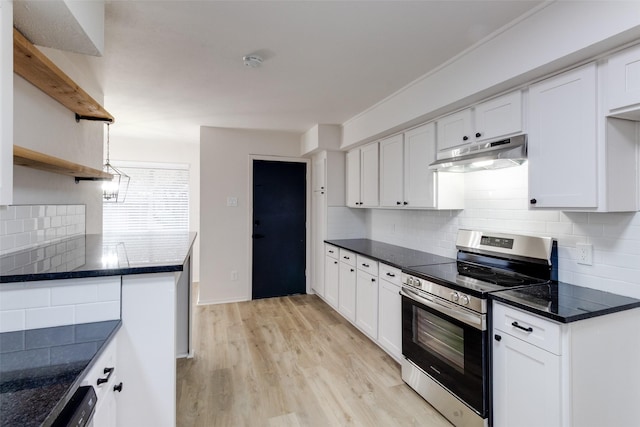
[[444, 318]]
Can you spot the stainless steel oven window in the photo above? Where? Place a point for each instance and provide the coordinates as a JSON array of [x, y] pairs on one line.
[[436, 335]]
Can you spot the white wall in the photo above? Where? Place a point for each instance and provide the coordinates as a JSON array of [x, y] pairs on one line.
[[42, 124], [163, 151], [497, 200], [224, 231], [560, 34]]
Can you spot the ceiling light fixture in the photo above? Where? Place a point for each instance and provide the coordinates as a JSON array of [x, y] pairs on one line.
[[252, 61], [114, 190]]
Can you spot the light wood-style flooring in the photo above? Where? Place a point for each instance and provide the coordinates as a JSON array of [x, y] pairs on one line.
[[291, 361]]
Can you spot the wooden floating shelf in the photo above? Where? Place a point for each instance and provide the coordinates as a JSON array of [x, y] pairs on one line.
[[33, 159], [37, 69]]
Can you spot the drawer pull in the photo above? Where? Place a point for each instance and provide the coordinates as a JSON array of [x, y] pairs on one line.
[[365, 265], [107, 371], [516, 325], [498, 337], [118, 387], [346, 257], [391, 275], [330, 252]]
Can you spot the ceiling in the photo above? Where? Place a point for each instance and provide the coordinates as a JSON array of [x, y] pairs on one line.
[[170, 67]]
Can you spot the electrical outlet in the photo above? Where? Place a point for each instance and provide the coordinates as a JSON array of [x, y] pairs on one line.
[[585, 253], [234, 275]]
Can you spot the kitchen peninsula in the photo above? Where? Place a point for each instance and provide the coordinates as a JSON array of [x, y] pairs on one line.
[[138, 284]]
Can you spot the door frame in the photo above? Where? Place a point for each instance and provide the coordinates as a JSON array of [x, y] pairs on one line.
[[307, 266]]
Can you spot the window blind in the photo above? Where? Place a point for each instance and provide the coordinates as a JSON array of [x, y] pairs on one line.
[[157, 200]]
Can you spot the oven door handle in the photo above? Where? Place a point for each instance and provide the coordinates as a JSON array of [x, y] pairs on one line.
[[477, 321]]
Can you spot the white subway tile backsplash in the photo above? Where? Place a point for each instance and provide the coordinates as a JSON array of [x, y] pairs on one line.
[[32, 225], [19, 299], [498, 201], [12, 320], [67, 295], [97, 312], [49, 316]]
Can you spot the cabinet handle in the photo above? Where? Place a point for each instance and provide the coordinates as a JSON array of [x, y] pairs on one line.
[[465, 138], [373, 280], [365, 265], [497, 337], [346, 257], [391, 275], [515, 325], [118, 387], [478, 134], [335, 262], [397, 203], [107, 371], [351, 269], [533, 201], [330, 252], [405, 203]]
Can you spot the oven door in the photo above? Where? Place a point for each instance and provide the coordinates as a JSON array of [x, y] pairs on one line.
[[449, 344]]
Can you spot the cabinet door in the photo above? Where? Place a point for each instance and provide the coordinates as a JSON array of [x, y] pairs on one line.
[[331, 279], [624, 78], [318, 234], [391, 172], [526, 384], [6, 102], [562, 141], [454, 130], [348, 291], [369, 175], [367, 303], [390, 319], [499, 117], [353, 178], [319, 171], [419, 180]]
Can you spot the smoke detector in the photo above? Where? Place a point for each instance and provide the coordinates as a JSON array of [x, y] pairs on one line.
[[252, 61]]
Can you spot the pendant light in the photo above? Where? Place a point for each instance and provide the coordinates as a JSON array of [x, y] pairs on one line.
[[115, 190]]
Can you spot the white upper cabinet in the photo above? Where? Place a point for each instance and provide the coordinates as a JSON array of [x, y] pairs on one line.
[[623, 83], [392, 171], [405, 178], [363, 176], [578, 159], [497, 117], [6, 103], [455, 130], [562, 140]]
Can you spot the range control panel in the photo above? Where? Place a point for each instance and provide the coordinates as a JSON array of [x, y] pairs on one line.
[[497, 242]]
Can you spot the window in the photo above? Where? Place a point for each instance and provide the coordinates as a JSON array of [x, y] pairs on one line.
[[157, 199]]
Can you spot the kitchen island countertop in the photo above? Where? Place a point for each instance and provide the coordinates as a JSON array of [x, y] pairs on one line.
[[95, 255]]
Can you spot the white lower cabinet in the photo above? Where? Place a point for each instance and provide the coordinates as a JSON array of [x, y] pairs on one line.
[[578, 374], [347, 292], [103, 377], [367, 303], [390, 311], [331, 279]]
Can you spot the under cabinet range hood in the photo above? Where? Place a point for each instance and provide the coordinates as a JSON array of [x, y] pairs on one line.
[[487, 155]]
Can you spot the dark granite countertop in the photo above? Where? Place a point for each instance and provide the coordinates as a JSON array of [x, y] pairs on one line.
[[93, 255], [564, 302], [40, 369], [396, 256]]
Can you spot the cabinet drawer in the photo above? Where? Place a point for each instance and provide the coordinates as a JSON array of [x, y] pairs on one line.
[[528, 327], [106, 360], [348, 257], [368, 265], [390, 274], [332, 251]]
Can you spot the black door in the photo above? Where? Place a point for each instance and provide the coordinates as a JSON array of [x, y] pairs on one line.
[[279, 232]]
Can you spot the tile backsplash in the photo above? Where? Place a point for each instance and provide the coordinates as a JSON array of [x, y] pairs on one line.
[[23, 227], [49, 303], [498, 201]]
